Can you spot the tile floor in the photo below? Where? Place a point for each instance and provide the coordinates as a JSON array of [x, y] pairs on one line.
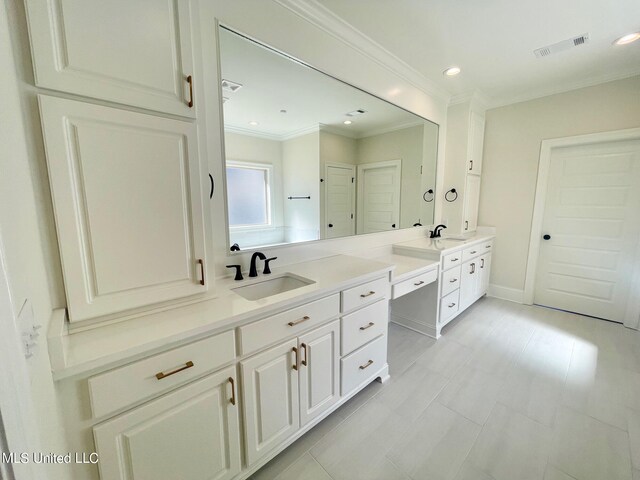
[[510, 392]]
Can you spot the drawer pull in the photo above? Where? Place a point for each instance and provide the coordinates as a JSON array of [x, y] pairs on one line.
[[162, 375], [453, 280], [455, 259], [451, 305], [365, 295], [366, 365], [233, 390], [487, 246], [304, 361], [474, 252], [371, 324], [299, 321], [419, 283], [295, 362]]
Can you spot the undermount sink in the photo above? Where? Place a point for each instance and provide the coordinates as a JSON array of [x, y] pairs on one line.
[[272, 286]]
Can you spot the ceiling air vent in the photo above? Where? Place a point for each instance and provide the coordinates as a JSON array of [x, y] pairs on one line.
[[355, 113], [561, 46], [230, 86]]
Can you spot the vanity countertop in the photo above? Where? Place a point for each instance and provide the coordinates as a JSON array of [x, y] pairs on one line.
[[438, 246], [108, 346], [406, 266]]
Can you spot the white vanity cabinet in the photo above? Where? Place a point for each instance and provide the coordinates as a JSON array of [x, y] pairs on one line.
[[134, 53], [127, 196], [191, 433], [289, 385], [463, 279], [464, 152]]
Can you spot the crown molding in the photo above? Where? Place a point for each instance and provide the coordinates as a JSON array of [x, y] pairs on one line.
[[323, 18], [476, 96], [271, 136], [590, 82]]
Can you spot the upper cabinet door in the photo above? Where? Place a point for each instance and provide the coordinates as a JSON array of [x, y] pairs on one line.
[[135, 53], [476, 143], [127, 199]]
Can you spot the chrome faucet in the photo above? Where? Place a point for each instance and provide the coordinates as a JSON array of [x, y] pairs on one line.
[[435, 233]]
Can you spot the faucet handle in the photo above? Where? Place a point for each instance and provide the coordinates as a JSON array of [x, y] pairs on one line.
[[267, 269], [238, 271]]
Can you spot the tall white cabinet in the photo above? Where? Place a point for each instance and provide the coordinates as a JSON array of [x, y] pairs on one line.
[[134, 53], [464, 152], [128, 188]]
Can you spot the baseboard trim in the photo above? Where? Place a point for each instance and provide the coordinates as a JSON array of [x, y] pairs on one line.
[[427, 330], [506, 293]]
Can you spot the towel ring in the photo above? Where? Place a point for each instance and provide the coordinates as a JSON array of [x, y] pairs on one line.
[[447, 196], [429, 192]]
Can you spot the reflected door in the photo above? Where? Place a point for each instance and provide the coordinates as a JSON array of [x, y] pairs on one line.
[[339, 200], [591, 229], [379, 196]]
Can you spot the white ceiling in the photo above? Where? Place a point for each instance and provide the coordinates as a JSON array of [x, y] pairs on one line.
[[493, 41], [272, 82]]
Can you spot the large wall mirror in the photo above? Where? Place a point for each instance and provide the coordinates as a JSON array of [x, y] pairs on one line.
[[309, 157]]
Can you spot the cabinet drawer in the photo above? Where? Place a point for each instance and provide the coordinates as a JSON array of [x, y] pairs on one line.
[[449, 306], [364, 294], [363, 365], [451, 260], [486, 246], [414, 283], [287, 324], [127, 385], [472, 251], [363, 326], [451, 280]]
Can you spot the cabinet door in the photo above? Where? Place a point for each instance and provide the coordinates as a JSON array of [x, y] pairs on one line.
[[471, 203], [319, 371], [484, 265], [468, 283], [476, 143], [191, 433], [127, 200], [270, 389], [135, 53]]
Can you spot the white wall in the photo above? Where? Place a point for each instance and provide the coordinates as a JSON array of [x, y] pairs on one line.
[[301, 167], [513, 137], [29, 251], [246, 148]]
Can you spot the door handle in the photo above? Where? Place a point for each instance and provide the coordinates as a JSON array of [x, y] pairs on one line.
[[547, 237], [213, 186], [190, 82], [295, 362], [470, 165], [304, 360], [233, 391]]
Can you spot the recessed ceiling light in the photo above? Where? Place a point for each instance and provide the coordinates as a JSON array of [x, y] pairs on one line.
[[347, 122], [451, 71], [283, 111], [253, 123], [630, 37]]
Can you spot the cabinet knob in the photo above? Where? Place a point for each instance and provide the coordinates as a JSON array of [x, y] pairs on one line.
[[547, 237], [330, 225]]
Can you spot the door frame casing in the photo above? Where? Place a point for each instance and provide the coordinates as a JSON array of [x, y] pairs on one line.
[[360, 189], [346, 166], [544, 165]]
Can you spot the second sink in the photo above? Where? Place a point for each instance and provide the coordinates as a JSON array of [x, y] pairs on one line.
[[272, 286]]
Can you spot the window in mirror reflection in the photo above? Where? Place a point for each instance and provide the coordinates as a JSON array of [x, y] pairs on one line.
[[248, 195]]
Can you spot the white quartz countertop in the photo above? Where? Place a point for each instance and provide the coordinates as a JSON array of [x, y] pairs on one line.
[[439, 245], [97, 349], [406, 266]]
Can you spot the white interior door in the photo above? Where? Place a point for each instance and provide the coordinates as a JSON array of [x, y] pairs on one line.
[[339, 200], [590, 229], [379, 196]]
